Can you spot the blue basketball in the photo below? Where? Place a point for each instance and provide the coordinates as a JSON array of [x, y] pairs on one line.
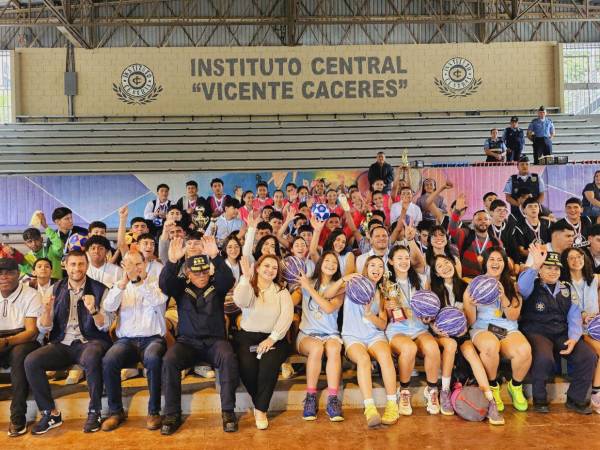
[[291, 267], [451, 321], [320, 211], [360, 290], [76, 242], [594, 328], [425, 304], [484, 290]]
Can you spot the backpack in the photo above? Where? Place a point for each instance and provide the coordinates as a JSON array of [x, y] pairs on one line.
[[469, 402]]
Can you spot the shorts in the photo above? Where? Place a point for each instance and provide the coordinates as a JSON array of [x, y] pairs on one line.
[[475, 331], [367, 343], [323, 337], [390, 334]]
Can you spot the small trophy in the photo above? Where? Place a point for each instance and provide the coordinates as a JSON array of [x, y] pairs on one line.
[[199, 217], [392, 297], [405, 162]]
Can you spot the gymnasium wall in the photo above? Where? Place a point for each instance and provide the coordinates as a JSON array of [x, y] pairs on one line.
[[315, 79], [98, 197]]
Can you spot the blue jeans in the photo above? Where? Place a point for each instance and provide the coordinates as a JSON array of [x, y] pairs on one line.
[[127, 352], [592, 212]]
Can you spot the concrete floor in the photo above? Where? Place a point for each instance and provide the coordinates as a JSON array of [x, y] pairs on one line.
[[558, 430]]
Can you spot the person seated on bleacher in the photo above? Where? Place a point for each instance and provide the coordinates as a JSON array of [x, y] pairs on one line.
[[531, 229], [429, 187], [53, 249], [127, 240], [524, 179], [562, 237], [78, 327], [261, 344], [171, 230], [217, 200], [594, 247], [140, 307], [381, 170], [494, 147], [261, 199], [227, 223], [99, 269], [200, 300], [581, 224], [591, 198], [156, 210], [552, 323], [18, 338], [192, 202], [41, 277]]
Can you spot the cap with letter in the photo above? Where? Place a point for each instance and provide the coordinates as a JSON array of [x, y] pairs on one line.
[[8, 264], [553, 259], [514, 119], [200, 263]]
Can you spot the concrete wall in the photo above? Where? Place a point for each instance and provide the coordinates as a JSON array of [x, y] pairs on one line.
[[504, 76]]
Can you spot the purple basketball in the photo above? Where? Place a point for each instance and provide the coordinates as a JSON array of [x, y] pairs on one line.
[[594, 328], [360, 290], [451, 320], [291, 267], [425, 304], [484, 290]]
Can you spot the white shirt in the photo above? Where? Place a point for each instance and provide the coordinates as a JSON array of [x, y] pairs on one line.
[[107, 274], [362, 259], [141, 309], [154, 268], [22, 303], [413, 211]]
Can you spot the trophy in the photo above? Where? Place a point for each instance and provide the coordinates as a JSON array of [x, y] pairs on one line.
[[393, 299], [199, 217], [405, 162], [364, 226]]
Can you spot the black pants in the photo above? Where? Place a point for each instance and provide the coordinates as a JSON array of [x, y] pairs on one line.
[[513, 154], [541, 147], [183, 355], [14, 357], [58, 356], [260, 375], [582, 363]]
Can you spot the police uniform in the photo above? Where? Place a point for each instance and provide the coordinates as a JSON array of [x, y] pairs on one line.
[[201, 330], [542, 129], [514, 138], [550, 315], [532, 182], [497, 146]]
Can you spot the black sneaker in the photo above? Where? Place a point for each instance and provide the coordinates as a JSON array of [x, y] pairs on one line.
[[93, 422], [230, 423], [541, 408], [170, 424], [17, 429], [579, 408], [47, 422]]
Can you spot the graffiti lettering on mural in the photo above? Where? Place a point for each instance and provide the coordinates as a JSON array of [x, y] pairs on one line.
[[288, 68]]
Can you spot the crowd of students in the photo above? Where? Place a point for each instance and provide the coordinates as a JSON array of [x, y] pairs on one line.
[[200, 281]]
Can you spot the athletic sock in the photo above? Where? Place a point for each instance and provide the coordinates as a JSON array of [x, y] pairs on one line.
[[432, 385], [445, 383], [404, 385], [392, 398], [368, 402], [516, 383], [494, 382], [311, 390], [595, 389], [332, 392], [489, 395]]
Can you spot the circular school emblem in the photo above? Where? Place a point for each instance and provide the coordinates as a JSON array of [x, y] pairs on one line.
[[458, 78], [137, 85]]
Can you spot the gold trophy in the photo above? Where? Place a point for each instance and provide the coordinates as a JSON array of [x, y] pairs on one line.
[[199, 217], [404, 167], [393, 299], [405, 162]]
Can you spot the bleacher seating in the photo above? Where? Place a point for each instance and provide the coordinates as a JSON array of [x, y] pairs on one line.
[[266, 143]]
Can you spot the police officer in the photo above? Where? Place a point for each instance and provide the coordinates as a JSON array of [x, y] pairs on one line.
[[541, 132], [200, 299], [514, 138], [523, 180], [494, 147], [551, 321]]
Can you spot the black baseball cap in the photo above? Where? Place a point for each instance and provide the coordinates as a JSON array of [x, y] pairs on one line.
[[514, 119], [542, 109], [553, 259], [8, 264], [524, 158], [197, 264]]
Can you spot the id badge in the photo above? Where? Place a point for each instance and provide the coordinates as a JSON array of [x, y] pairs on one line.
[[499, 332], [398, 315]]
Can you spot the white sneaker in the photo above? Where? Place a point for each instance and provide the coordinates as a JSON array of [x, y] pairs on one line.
[[74, 377], [404, 406], [433, 401], [287, 371], [145, 373], [204, 371], [126, 374]]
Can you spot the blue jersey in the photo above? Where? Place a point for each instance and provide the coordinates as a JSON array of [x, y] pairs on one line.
[[357, 329], [412, 326], [488, 314], [315, 321]]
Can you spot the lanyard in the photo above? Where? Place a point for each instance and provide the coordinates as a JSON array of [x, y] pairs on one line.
[[498, 232], [219, 203], [481, 248], [536, 231]]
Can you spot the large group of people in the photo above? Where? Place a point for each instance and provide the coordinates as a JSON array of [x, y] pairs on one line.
[[201, 281]]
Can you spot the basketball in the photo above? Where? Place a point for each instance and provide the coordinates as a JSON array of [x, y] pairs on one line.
[[452, 321], [484, 290], [360, 290], [425, 304], [292, 267]]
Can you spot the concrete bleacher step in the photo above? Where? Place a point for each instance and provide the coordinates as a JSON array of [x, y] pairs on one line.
[[199, 396]]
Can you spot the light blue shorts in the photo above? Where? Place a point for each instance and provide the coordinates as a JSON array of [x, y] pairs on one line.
[[321, 337], [367, 343]]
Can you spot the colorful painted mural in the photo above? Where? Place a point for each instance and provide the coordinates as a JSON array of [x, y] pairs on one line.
[[98, 197]]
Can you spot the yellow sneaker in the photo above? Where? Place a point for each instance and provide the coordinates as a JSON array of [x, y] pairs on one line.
[[518, 399], [372, 416], [496, 393], [390, 414]]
